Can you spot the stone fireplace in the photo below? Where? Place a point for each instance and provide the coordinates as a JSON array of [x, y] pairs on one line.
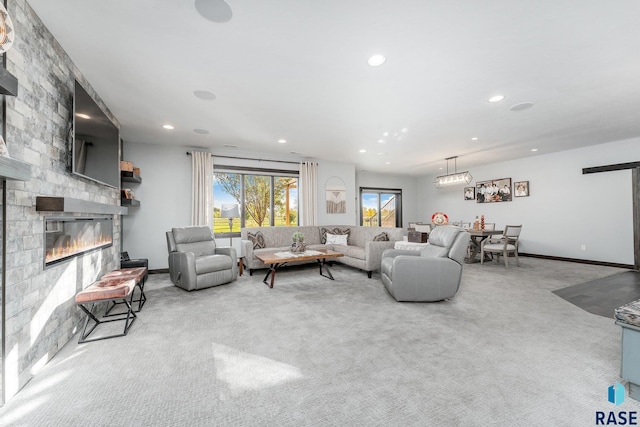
[[69, 237]]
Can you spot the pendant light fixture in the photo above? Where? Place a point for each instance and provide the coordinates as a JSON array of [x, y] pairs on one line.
[[453, 179]]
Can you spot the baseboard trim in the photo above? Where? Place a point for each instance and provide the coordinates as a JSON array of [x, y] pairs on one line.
[[550, 257], [578, 260]]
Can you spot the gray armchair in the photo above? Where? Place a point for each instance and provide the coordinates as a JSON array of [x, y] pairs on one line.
[[431, 274], [195, 262]]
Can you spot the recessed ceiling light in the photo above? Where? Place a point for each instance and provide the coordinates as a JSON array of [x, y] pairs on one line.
[[201, 131], [522, 106], [363, 151], [387, 163], [282, 141], [475, 138], [376, 60], [404, 130], [385, 134], [381, 141], [83, 116], [534, 149], [214, 10], [496, 98], [168, 126], [204, 94], [381, 154]]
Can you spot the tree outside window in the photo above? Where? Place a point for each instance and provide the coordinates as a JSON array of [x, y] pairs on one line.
[[380, 208], [264, 200]]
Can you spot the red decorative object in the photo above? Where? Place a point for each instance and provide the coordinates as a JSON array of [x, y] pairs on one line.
[[440, 218]]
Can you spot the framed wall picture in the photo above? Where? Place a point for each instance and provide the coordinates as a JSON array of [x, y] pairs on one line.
[[493, 191], [469, 193], [127, 193], [521, 188]]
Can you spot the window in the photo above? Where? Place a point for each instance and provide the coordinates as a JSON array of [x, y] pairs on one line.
[[264, 198], [380, 207]]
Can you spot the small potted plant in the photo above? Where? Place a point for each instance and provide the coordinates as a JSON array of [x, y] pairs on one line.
[[298, 242]]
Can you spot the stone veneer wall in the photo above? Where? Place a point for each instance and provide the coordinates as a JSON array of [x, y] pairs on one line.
[[41, 315]]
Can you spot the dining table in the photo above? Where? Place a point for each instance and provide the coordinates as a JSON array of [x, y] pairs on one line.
[[477, 236]]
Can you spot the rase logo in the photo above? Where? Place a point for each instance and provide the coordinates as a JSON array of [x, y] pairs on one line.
[[616, 394], [622, 418]]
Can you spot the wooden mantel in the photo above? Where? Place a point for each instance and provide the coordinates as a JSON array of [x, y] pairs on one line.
[[67, 204]]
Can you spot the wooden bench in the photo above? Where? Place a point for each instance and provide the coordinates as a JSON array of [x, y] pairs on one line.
[[119, 289]]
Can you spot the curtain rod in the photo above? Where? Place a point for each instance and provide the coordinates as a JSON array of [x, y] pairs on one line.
[[247, 158]]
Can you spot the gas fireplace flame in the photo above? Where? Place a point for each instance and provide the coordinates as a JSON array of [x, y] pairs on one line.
[[75, 246], [68, 238]]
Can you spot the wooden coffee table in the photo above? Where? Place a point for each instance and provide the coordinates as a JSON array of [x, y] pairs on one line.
[[280, 258]]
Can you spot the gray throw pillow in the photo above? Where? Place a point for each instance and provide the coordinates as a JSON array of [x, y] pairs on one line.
[[382, 237], [257, 239]]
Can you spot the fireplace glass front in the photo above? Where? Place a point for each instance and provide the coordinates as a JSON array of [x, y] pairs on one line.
[[69, 237]]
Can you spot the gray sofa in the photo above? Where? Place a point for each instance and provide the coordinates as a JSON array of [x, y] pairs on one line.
[[361, 251], [431, 274], [195, 262]]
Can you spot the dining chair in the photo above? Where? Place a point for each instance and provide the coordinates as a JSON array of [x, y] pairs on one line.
[[487, 226], [504, 245]]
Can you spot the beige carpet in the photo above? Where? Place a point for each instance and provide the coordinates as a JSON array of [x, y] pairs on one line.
[[315, 352]]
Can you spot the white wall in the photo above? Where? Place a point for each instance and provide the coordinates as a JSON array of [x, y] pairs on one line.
[[566, 209], [347, 173], [408, 185], [165, 197], [165, 200]]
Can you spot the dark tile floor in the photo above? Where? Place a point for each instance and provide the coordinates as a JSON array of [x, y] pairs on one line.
[[603, 296]]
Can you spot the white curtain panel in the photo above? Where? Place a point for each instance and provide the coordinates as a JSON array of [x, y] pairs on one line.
[[202, 188], [309, 193]]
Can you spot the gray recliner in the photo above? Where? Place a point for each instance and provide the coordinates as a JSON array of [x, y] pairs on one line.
[[431, 274], [195, 262]]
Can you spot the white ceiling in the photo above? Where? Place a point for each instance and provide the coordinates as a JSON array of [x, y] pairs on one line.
[[297, 69]]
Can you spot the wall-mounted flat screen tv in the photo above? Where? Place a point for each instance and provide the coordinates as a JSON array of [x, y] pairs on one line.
[[96, 142]]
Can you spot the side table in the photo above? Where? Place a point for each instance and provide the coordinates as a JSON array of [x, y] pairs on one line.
[[240, 265]]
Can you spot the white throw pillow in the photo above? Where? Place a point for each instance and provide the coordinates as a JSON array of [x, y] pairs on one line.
[[336, 239]]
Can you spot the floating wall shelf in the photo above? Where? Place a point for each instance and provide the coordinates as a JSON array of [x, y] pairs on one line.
[[130, 177], [11, 169], [8, 83]]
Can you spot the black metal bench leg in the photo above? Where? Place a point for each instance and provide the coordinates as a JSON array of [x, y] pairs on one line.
[[143, 298], [128, 322]]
